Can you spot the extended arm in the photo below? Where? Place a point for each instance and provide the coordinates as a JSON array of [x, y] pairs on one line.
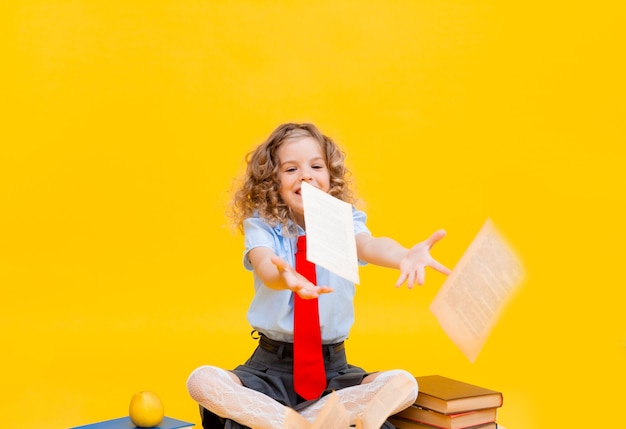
[[277, 274], [386, 252]]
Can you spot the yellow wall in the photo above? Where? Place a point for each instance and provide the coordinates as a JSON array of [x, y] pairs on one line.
[[125, 121]]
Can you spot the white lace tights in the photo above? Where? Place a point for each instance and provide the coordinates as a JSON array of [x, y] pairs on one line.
[[220, 392], [356, 399]]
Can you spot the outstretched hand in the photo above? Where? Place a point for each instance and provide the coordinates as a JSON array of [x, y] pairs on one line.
[[296, 282], [413, 265]]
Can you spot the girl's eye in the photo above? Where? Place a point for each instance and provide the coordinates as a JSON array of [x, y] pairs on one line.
[[290, 170]]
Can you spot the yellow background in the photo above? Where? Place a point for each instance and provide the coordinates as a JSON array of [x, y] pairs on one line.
[[124, 123]]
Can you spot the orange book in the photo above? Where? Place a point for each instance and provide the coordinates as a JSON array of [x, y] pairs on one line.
[[448, 421], [449, 396]]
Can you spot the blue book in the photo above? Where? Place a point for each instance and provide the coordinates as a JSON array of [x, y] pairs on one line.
[[126, 423]]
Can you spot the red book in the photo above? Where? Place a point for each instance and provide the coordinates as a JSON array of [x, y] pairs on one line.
[[449, 421]]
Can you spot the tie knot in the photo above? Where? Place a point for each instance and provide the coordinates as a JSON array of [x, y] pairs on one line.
[[302, 243]]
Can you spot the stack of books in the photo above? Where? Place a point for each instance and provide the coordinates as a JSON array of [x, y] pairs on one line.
[[450, 404]]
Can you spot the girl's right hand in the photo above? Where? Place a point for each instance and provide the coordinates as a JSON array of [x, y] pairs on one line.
[[296, 282]]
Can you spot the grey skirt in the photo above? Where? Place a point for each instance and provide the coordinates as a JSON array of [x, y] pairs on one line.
[[270, 371]]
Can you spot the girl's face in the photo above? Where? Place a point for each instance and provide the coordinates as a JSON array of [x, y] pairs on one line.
[[301, 160]]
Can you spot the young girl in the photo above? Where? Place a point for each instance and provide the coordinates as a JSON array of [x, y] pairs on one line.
[[268, 209]]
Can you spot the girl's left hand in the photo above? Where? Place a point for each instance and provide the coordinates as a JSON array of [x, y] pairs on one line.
[[412, 266]]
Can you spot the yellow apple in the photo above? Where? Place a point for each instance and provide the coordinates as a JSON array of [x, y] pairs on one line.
[[146, 409]]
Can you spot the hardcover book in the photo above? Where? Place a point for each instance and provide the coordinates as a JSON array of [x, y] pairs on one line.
[[449, 396], [126, 423], [400, 423], [449, 421]]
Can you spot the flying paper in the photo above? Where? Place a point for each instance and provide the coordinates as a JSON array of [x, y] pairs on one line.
[[330, 233], [473, 296]]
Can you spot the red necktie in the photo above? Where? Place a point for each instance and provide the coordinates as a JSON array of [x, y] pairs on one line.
[[309, 375]]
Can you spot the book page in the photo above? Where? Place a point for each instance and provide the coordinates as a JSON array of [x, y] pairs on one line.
[[333, 414], [330, 238], [473, 296]]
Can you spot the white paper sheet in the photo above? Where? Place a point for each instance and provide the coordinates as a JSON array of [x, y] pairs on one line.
[[470, 302], [330, 233]]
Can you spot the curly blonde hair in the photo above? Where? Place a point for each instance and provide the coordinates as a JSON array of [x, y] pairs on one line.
[[258, 192]]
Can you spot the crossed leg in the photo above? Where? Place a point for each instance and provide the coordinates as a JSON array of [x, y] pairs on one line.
[[370, 403], [376, 398], [222, 393]]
